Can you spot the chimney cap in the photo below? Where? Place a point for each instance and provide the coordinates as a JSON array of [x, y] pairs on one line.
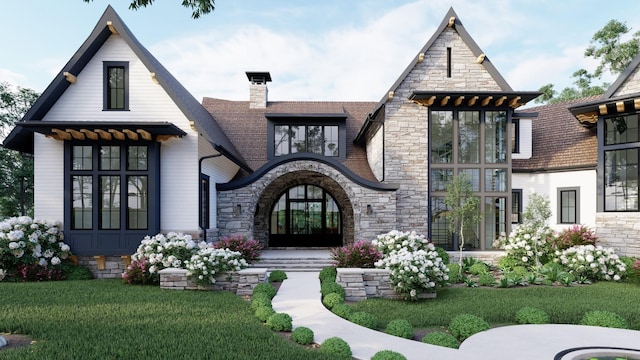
[[258, 77]]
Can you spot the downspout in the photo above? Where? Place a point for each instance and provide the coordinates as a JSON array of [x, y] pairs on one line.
[[201, 220]]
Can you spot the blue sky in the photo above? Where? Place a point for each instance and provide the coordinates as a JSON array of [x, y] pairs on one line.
[[315, 50]]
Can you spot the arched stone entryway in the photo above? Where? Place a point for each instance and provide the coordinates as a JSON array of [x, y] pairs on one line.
[[278, 186]]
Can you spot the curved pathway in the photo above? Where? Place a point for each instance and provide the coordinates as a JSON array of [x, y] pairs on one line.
[[299, 296]]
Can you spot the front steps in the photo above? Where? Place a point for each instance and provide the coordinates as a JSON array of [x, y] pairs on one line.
[[294, 260]]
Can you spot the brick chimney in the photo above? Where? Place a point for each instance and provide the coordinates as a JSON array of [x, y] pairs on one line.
[[258, 89]]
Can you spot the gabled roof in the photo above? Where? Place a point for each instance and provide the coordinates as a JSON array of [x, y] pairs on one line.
[[109, 22], [559, 142]]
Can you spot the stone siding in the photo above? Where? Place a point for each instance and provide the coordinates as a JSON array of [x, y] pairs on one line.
[[631, 84], [360, 284], [114, 266], [247, 211], [240, 283], [620, 231], [489, 257]]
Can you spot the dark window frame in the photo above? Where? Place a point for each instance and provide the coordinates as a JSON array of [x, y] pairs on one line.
[[516, 210], [106, 103], [515, 136], [342, 136], [576, 214], [205, 201]]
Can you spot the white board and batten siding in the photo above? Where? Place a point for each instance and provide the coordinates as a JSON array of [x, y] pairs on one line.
[[83, 101], [549, 183], [220, 170]]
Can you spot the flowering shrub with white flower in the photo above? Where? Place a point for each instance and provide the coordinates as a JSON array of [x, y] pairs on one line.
[[413, 261], [26, 243], [593, 262], [527, 243], [179, 250]]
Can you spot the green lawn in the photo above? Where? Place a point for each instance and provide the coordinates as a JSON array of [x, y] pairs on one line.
[[104, 319], [498, 306]]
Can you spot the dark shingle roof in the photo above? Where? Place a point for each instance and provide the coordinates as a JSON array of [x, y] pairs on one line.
[[559, 142], [247, 128]]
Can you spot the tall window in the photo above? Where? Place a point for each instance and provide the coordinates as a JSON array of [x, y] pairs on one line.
[[109, 176], [568, 205], [516, 206], [515, 136], [116, 85], [621, 172], [316, 139], [474, 143]]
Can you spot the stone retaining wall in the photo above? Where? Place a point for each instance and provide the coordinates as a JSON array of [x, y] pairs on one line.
[[240, 283], [360, 284]]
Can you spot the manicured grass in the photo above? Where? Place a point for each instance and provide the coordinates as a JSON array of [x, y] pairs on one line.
[[565, 305], [104, 319]]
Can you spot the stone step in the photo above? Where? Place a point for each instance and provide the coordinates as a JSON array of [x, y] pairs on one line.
[[293, 264]]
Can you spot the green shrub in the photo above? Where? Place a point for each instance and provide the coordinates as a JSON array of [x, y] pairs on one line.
[[465, 325], [454, 273], [486, 280], [260, 299], [388, 355], [604, 319], [328, 273], [302, 335], [263, 313], [329, 287], [265, 288], [363, 318], [531, 315], [443, 254], [279, 322], [553, 271], [632, 274], [400, 327], [478, 268], [331, 300], [342, 310], [441, 339], [520, 271], [336, 347], [507, 263], [277, 276], [75, 272]]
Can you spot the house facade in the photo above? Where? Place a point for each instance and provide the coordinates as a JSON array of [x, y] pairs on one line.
[[122, 150]]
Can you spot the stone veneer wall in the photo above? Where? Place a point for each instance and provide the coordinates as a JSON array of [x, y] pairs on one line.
[[246, 211], [620, 231], [406, 123], [489, 257], [360, 284], [114, 266], [240, 283]]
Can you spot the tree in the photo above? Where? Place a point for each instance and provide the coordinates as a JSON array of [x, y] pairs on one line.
[[200, 7], [614, 56], [463, 208], [16, 170]]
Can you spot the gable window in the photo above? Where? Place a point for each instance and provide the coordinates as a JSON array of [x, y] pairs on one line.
[[316, 139], [116, 85], [568, 205]]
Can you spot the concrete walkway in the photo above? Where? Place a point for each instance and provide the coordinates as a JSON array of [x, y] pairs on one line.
[[299, 296]]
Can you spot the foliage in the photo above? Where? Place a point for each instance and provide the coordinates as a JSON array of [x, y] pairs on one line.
[[553, 271], [336, 347], [604, 319], [361, 254], [302, 335], [332, 299], [486, 280], [260, 299], [266, 289], [388, 355], [178, 250], [507, 263], [527, 246], [413, 261], [32, 250], [441, 339], [198, 7], [479, 268], [592, 262], [573, 236], [248, 248], [464, 325], [280, 322], [463, 207], [400, 327], [263, 313], [454, 272], [343, 310], [537, 212], [632, 265], [16, 169], [328, 273], [115, 319], [531, 315], [363, 318], [137, 272], [277, 276], [329, 287], [443, 254]]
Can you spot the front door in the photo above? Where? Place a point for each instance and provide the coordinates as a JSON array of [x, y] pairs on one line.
[[305, 216]]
